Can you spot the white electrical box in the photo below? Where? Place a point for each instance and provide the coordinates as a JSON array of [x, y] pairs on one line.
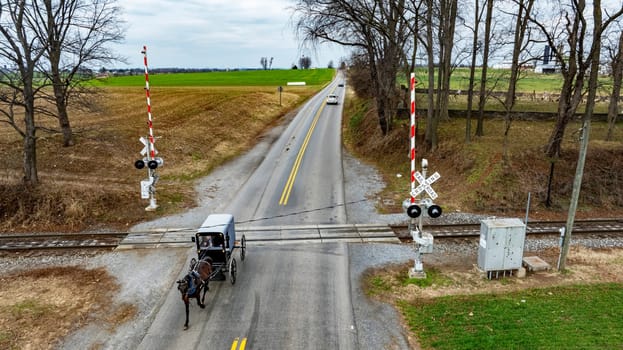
[[501, 244]]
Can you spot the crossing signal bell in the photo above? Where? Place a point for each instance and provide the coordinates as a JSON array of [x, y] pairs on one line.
[[434, 211], [139, 164], [414, 211], [151, 164]]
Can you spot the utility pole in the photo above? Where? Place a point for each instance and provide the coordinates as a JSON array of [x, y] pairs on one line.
[[586, 131], [575, 195]]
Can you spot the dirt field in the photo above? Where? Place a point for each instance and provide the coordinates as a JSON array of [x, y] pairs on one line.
[[41, 306], [94, 183]]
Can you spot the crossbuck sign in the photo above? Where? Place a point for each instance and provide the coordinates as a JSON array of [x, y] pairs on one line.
[[145, 143], [425, 185]]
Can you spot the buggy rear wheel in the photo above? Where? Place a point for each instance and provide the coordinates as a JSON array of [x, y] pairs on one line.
[[232, 270], [243, 248]]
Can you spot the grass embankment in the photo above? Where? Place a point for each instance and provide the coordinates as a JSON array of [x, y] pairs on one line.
[[95, 183], [475, 177]]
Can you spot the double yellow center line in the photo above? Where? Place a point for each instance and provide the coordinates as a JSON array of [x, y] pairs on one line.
[[243, 344], [285, 195]]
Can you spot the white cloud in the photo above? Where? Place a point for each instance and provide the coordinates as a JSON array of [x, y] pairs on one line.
[[214, 34]]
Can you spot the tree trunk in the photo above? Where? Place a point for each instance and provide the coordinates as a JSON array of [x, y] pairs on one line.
[[569, 100], [509, 102], [55, 38], [448, 10], [430, 137], [63, 120], [472, 73], [31, 177], [617, 75], [380, 106], [485, 62]]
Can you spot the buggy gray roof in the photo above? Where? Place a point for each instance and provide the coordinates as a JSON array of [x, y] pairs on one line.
[[216, 223]]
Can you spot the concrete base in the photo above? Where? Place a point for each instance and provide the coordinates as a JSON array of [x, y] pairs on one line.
[[521, 272], [413, 273], [152, 205], [534, 263]]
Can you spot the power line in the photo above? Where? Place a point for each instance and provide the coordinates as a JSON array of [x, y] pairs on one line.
[[301, 212]]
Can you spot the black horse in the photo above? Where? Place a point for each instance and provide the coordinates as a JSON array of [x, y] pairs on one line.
[[199, 273]]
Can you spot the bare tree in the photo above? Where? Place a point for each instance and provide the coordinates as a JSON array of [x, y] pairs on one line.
[[374, 27], [485, 67], [616, 56], [524, 8], [431, 120], [22, 52], [478, 14], [264, 62], [359, 75], [417, 20], [305, 62], [75, 34], [573, 46], [447, 15]]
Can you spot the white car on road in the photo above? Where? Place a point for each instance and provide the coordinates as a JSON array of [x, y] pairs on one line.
[[332, 100]]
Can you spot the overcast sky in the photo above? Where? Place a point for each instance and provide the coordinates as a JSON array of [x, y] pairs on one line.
[[214, 34]]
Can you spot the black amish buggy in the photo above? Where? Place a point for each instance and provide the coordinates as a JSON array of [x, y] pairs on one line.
[[216, 239]]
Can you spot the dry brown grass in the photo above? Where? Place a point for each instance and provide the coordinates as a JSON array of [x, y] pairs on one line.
[[458, 275], [39, 307], [95, 182], [476, 178]]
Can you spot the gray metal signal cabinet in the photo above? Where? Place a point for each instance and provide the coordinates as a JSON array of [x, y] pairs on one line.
[[501, 244]]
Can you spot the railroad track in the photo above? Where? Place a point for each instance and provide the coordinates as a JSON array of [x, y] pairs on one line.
[[585, 227], [110, 240], [9, 242]]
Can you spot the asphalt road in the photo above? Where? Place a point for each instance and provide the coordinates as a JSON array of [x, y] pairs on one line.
[[302, 173], [285, 296]]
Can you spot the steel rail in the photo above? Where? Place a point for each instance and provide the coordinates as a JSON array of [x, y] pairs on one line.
[[100, 240], [592, 226]]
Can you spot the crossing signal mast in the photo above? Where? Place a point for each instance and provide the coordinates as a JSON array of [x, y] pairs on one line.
[[149, 152], [413, 206]]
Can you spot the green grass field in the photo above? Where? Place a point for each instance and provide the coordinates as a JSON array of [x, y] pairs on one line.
[[529, 81], [572, 317], [277, 77]]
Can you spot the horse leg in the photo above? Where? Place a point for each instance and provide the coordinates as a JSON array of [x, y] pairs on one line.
[[205, 290], [201, 305], [186, 307]]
